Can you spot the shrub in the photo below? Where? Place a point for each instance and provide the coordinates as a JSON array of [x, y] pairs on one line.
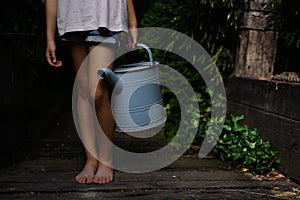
[[243, 146], [214, 24]]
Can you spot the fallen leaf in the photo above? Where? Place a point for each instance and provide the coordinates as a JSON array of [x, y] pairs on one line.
[[244, 169], [296, 190], [272, 176], [195, 147], [285, 194]]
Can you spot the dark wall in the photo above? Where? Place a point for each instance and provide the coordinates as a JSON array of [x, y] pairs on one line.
[[273, 108]]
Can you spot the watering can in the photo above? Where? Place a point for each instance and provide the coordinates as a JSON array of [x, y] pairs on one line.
[[136, 100]]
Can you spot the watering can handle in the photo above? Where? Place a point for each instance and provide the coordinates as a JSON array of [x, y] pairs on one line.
[[148, 50]]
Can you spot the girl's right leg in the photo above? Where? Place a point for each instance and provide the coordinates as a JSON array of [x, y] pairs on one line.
[[86, 125]]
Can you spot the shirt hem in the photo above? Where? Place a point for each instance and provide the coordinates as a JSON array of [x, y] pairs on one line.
[[89, 28]]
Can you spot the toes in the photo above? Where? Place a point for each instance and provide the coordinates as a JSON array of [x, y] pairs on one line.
[[103, 175], [107, 180], [83, 180], [89, 180], [101, 180], [86, 176], [77, 179], [110, 179], [96, 180], [80, 180]]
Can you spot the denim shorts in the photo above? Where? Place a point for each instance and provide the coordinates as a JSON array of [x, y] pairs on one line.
[[93, 37]]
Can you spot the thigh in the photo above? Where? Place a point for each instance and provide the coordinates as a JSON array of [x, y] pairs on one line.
[[79, 54], [81, 64]]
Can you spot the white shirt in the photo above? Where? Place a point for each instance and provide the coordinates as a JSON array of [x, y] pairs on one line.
[[84, 15]]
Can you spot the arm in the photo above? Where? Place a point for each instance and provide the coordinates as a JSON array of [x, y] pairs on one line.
[[51, 15], [132, 25]]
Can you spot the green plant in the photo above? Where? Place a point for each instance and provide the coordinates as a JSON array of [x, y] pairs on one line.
[[243, 146], [212, 23]]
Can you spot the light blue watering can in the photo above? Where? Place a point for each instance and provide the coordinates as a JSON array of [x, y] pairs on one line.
[[136, 101]]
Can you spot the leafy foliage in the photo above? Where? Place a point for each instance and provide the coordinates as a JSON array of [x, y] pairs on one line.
[[214, 24], [244, 147]]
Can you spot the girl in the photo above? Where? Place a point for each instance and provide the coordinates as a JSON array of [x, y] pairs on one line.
[[84, 24]]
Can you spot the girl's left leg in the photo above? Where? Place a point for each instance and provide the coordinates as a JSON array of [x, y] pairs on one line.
[[99, 57]]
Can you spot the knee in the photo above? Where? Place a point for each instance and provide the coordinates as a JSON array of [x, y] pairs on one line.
[[100, 96], [83, 90]]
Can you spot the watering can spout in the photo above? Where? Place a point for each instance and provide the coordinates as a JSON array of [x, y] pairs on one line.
[[111, 78]]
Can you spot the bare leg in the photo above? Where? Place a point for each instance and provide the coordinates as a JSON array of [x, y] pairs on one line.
[[86, 123], [102, 56], [91, 89]]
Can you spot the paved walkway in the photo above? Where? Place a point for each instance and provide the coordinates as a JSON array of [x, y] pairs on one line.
[[48, 173]]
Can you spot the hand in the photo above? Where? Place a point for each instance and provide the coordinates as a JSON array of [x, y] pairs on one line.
[[51, 56], [132, 38]]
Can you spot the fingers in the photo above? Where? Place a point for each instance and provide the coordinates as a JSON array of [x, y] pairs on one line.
[[51, 56], [133, 38]]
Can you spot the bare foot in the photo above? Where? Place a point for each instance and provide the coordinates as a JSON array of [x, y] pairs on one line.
[[88, 172], [103, 175]]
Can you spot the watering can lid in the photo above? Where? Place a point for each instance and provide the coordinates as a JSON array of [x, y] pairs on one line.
[[135, 66]]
